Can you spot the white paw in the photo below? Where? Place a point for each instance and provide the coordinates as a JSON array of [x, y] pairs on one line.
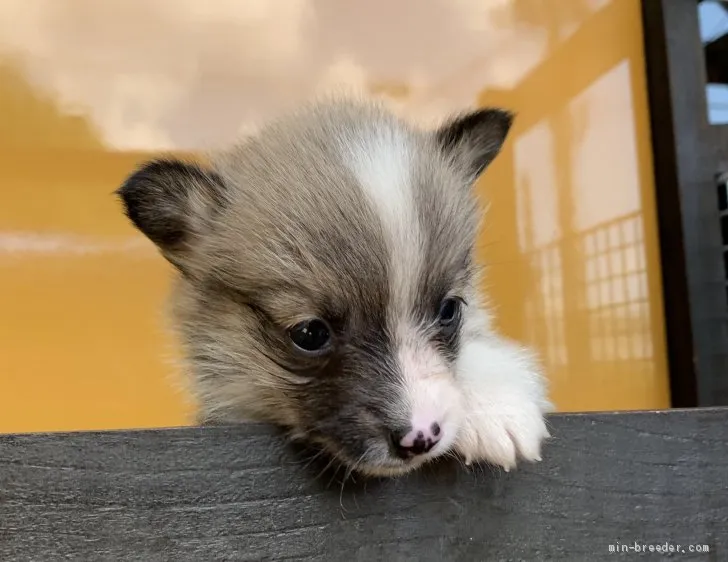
[[502, 427]]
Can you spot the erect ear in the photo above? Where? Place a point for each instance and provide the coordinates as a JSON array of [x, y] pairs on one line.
[[472, 140], [170, 200]]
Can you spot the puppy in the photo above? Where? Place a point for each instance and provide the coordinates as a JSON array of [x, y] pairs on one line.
[[327, 283]]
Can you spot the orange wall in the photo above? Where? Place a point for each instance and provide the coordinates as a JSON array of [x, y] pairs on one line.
[[570, 240]]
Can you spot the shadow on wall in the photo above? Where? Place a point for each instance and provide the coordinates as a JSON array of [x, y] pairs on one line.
[[565, 239]]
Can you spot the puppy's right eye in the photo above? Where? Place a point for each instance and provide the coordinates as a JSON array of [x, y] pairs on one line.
[[312, 336]]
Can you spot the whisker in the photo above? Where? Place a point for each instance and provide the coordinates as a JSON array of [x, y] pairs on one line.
[[312, 459], [333, 476], [324, 469], [347, 474]]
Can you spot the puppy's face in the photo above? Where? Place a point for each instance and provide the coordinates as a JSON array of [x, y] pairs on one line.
[[326, 277]]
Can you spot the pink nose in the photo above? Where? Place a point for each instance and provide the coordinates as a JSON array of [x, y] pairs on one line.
[[417, 440]]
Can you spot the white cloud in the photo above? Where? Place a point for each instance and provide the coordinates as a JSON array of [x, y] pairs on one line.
[[187, 74]]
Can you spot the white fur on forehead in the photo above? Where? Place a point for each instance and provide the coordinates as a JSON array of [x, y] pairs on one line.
[[381, 156]]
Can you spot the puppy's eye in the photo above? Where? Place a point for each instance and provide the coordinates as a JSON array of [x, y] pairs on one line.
[[311, 336], [449, 314]]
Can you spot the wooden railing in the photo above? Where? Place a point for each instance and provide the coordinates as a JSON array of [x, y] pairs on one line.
[[608, 482]]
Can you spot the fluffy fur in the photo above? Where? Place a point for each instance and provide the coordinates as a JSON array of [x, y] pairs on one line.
[[344, 213]]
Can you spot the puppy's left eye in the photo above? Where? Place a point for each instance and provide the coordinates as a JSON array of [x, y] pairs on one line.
[[449, 313], [312, 337]]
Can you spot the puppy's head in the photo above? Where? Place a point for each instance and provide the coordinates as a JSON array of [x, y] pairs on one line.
[[326, 276]]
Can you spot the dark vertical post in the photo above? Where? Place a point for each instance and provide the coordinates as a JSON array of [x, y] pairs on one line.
[[685, 160]]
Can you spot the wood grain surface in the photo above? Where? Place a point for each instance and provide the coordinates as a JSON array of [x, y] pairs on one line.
[[242, 493]]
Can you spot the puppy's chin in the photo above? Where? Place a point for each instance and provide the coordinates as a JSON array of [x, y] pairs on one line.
[[389, 467], [377, 461], [389, 471]]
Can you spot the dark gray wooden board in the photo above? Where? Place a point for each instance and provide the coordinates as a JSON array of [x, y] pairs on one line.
[[241, 493]]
